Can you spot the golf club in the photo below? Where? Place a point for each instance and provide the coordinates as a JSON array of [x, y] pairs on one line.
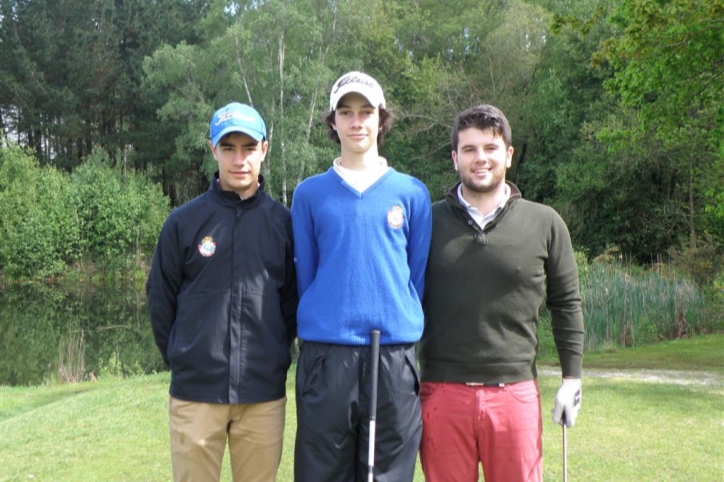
[[375, 359], [565, 449]]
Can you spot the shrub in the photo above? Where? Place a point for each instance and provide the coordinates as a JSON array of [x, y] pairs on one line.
[[702, 260], [49, 219], [121, 213], [40, 234]]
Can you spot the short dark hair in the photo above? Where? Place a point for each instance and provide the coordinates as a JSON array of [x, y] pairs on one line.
[[386, 118], [481, 117]]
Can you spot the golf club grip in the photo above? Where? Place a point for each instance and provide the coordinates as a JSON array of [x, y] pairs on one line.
[[374, 369]]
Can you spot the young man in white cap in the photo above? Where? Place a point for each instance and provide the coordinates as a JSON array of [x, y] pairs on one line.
[[222, 298], [362, 234]]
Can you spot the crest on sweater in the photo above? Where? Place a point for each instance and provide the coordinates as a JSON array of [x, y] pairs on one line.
[[395, 217], [207, 247]]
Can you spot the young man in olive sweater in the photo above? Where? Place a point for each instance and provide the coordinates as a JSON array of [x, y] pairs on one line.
[[495, 258]]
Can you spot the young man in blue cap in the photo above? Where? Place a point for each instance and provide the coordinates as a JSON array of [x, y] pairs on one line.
[[362, 233], [222, 298]]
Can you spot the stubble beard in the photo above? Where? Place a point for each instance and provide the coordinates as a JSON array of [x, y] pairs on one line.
[[485, 188]]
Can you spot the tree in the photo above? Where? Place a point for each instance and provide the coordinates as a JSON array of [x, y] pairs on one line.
[[70, 73], [441, 60], [564, 95], [669, 66], [277, 56]]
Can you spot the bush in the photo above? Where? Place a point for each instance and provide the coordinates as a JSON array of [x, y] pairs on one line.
[[40, 233], [121, 213], [701, 260], [49, 219]]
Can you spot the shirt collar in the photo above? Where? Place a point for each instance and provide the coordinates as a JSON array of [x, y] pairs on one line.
[[494, 212]]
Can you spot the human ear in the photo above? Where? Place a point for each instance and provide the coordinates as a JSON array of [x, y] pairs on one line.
[[213, 150]]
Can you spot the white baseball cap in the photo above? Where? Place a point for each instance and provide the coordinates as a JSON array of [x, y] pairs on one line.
[[359, 83]]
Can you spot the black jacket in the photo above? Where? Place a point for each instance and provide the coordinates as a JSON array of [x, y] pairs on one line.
[[222, 297]]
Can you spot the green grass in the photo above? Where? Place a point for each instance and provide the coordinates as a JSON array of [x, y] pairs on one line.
[[698, 353], [629, 428]]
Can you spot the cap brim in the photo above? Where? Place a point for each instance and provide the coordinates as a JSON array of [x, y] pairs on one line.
[[351, 89], [256, 135]]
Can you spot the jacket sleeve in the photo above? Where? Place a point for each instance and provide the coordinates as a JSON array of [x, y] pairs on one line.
[[418, 246], [163, 286], [288, 295], [564, 300]]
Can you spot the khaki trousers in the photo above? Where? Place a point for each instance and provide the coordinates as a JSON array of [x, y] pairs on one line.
[[199, 433]]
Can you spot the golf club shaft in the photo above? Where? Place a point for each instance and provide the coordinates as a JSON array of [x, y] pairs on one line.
[[565, 449], [374, 368]]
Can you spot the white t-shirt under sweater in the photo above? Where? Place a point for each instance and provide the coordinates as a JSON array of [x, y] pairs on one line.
[[361, 180]]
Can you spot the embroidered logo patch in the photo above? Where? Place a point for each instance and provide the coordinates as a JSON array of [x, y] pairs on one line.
[[395, 217], [207, 247]]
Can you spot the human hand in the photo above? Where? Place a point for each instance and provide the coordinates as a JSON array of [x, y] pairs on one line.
[[568, 401]]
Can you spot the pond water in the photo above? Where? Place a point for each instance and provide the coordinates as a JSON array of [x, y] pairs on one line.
[[51, 333]]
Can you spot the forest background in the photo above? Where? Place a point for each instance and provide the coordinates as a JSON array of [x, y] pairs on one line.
[[617, 110]]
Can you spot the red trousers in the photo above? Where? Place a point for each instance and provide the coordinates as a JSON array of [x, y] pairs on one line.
[[499, 427]]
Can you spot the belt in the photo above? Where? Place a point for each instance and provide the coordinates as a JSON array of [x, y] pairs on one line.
[[475, 384]]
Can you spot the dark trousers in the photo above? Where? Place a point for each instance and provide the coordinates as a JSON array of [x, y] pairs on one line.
[[333, 399]]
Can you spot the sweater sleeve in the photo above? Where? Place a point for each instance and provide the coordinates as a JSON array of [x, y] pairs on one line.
[[163, 285], [418, 247], [564, 300], [306, 251]]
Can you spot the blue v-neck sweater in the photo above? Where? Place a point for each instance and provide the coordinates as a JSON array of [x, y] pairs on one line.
[[361, 258]]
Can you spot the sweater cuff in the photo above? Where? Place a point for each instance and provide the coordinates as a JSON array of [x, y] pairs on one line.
[[571, 365]]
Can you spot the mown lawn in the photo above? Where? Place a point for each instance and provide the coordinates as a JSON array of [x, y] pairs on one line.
[[631, 428]]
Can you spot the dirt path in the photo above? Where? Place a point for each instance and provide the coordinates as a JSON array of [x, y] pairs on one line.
[[677, 377]]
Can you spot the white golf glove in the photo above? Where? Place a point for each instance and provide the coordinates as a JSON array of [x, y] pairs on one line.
[[568, 401]]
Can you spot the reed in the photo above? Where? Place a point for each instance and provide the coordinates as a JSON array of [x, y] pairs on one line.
[[627, 307], [71, 358]]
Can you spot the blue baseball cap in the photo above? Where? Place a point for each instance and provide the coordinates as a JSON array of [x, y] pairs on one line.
[[236, 117]]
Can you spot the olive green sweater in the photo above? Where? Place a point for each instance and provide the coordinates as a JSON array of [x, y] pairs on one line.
[[484, 290]]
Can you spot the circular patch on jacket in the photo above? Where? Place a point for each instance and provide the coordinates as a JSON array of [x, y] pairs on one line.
[[207, 247], [395, 217]]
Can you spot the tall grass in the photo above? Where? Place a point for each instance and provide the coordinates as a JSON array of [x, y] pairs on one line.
[[71, 358], [625, 307], [631, 308]]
